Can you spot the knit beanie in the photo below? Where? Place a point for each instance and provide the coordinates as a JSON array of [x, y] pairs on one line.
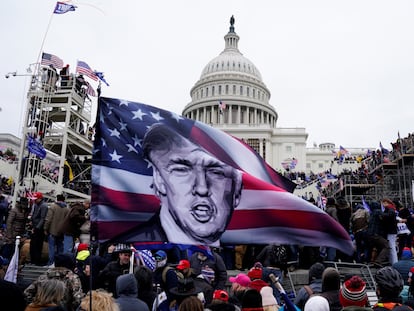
[[317, 303], [268, 299], [255, 273], [353, 292], [330, 279], [208, 274], [406, 253]]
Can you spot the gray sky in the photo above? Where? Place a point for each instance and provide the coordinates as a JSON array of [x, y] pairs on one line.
[[344, 70]]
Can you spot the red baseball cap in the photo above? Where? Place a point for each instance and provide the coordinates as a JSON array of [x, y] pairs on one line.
[[37, 195], [183, 264], [220, 295]]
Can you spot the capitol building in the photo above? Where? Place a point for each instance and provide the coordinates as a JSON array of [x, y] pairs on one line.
[[232, 96]]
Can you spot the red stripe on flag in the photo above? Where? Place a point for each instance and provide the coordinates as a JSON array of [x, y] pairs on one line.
[[125, 201], [262, 218]]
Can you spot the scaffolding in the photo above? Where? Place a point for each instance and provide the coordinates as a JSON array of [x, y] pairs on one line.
[[57, 123], [391, 180]]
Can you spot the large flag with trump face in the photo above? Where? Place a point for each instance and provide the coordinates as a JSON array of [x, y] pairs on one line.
[[123, 197]]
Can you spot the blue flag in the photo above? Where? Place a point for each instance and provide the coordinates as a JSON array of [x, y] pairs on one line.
[[62, 8], [101, 77], [34, 146]]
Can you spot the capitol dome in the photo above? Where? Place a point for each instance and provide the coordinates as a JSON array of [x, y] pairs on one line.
[[231, 60], [231, 96], [230, 92]]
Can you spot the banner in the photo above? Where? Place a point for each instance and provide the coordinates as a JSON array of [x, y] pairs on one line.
[[158, 177]]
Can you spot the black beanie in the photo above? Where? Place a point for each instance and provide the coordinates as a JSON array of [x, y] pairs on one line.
[[252, 299]]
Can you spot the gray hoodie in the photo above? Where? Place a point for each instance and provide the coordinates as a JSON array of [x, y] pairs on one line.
[[127, 293]]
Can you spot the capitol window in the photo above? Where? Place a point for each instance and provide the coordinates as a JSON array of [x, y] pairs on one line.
[[219, 90], [227, 89], [241, 89]]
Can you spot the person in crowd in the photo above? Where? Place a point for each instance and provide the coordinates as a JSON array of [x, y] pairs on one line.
[[107, 277], [183, 269], [63, 271], [11, 296], [359, 226], [203, 282], [48, 296], [314, 287], [404, 265], [191, 303], [101, 300], [199, 261], [64, 76], [353, 294], [329, 253], [252, 301], [127, 293], [198, 192], [376, 237], [404, 216], [185, 288], [239, 252], [146, 291], [317, 303], [54, 218], [390, 224], [38, 217], [88, 266], [331, 284], [85, 228], [4, 209], [255, 275], [16, 225], [70, 226], [240, 284], [165, 276], [344, 212], [274, 257], [221, 302], [268, 299], [389, 284]]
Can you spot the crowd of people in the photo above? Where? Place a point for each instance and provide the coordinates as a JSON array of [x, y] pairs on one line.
[[197, 279]]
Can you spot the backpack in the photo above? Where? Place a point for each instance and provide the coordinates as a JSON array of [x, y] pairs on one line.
[[359, 220], [165, 271]]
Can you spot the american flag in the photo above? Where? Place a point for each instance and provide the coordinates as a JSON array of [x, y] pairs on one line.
[[83, 68], [343, 151], [123, 199], [222, 106], [50, 59]]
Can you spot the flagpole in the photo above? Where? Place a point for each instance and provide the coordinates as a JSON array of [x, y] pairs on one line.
[[22, 145], [43, 42], [403, 170]]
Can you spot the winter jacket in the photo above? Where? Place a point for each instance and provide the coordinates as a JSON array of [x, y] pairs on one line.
[[214, 262], [73, 220], [39, 215], [127, 292], [54, 218]]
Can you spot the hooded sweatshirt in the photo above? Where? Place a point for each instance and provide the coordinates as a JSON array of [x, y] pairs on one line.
[[127, 292]]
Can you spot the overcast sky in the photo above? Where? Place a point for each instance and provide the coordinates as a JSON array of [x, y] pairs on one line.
[[344, 70]]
